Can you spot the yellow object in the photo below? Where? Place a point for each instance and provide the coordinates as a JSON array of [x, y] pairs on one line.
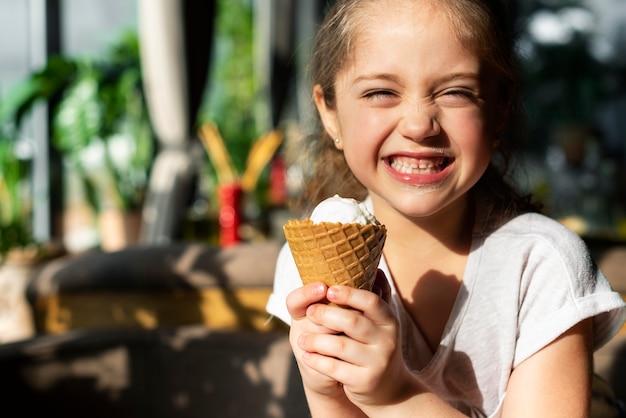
[[216, 308], [216, 149], [577, 224], [336, 253], [261, 153]]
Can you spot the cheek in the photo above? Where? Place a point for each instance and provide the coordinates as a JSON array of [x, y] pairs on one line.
[[475, 138], [362, 155], [359, 153], [362, 133]]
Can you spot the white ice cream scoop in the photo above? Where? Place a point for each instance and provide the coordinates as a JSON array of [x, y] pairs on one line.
[[343, 210]]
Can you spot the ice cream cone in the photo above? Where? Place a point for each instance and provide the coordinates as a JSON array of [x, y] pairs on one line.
[[336, 253]]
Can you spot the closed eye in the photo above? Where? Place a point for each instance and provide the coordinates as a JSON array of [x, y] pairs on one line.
[[459, 92], [379, 94], [459, 96]]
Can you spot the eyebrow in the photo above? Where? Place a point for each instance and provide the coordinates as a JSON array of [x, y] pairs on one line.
[[395, 79], [372, 77]]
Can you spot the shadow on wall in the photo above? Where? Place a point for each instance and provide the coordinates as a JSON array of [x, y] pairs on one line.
[[181, 372]]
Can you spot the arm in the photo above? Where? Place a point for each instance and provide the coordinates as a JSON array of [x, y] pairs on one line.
[[555, 381]]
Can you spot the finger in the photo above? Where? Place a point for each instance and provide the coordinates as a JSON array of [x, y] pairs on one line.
[[299, 300], [346, 321], [333, 345], [338, 318], [333, 367], [370, 304], [343, 360]]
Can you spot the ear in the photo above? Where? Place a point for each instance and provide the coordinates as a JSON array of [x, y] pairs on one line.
[[327, 115]]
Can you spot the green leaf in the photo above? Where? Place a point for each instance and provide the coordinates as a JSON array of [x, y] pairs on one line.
[[41, 85], [79, 115]]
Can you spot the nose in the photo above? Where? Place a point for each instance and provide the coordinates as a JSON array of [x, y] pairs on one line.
[[418, 123]]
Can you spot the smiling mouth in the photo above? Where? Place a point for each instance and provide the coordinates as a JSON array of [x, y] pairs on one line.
[[419, 165]]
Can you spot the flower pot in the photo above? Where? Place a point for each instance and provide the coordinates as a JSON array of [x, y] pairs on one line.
[[16, 316], [118, 229]]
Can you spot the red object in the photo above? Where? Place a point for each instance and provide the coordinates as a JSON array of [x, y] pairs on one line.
[[278, 181], [229, 215]]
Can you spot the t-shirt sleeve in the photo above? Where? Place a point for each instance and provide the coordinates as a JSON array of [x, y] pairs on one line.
[[561, 287], [286, 280]]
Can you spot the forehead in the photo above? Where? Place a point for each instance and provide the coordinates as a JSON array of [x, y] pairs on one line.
[[399, 31], [454, 18]]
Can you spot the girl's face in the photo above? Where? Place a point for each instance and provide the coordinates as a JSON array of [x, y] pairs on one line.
[[415, 111]]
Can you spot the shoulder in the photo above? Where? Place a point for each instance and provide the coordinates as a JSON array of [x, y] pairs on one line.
[[534, 245], [536, 223], [531, 229]]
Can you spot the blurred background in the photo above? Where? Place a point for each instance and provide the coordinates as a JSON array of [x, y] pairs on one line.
[[146, 171], [87, 128]]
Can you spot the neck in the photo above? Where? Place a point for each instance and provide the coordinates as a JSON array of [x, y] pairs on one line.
[[449, 229]]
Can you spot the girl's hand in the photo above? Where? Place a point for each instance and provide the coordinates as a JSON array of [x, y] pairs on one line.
[[298, 302], [356, 345]]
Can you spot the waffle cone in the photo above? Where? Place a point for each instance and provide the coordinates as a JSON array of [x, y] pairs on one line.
[[336, 253]]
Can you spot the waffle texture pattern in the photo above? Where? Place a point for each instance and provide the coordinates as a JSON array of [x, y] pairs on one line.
[[336, 253]]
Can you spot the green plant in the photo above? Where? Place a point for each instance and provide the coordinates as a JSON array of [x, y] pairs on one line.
[[14, 214], [15, 188], [234, 100], [232, 97], [100, 120], [102, 127]]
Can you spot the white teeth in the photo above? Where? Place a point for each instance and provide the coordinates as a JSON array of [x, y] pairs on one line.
[[419, 166]]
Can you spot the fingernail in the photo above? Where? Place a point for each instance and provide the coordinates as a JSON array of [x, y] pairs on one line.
[[332, 293], [319, 289]]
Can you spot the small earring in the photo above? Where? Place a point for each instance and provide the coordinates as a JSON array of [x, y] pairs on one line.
[[336, 140]]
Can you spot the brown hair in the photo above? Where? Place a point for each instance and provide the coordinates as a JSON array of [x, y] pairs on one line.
[[482, 25]]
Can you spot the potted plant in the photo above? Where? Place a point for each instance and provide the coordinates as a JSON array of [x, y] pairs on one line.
[[100, 126], [236, 129], [19, 252]]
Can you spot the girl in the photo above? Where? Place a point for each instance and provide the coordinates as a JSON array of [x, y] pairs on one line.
[[485, 307]]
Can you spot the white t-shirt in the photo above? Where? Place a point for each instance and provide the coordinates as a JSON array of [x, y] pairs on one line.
[[525, 284]]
